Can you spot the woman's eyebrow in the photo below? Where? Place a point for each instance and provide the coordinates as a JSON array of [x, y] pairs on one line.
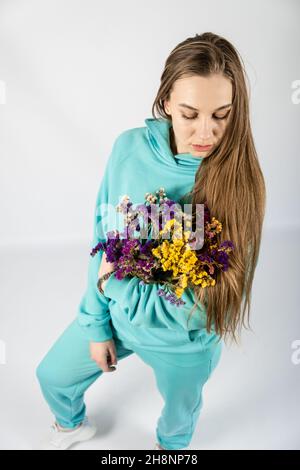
[[195, 109]]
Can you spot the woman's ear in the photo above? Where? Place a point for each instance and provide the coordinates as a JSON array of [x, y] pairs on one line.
[[167, 107]]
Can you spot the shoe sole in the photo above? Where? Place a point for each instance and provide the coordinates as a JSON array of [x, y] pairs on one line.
[[89, 435]]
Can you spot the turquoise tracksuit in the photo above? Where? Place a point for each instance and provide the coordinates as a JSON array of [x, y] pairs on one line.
[[182, 354]]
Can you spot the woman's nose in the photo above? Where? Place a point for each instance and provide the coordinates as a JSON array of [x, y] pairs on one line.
[[204, 132], [204, 136]]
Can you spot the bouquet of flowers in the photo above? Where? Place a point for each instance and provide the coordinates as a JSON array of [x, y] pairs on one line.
[[172, 261]]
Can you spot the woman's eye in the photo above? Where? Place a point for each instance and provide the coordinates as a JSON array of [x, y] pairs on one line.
[[214, 117], [186, 117], [222, 117]]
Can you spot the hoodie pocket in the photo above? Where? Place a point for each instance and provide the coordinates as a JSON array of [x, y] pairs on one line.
[[194, 335]]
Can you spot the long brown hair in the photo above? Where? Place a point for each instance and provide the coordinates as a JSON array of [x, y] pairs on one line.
[[229, 180]]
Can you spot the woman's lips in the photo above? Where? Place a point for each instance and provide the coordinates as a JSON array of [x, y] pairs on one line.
[[201, 147]]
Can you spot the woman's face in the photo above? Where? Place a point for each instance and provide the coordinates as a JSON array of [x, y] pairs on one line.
[[199, 108]]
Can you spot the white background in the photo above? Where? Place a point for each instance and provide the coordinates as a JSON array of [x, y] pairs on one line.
[[75, 74]]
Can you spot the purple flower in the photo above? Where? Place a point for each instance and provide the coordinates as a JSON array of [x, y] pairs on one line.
[[227, 244], [161, 293]]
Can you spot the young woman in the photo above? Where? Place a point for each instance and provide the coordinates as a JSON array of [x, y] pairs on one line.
[[200, 145]]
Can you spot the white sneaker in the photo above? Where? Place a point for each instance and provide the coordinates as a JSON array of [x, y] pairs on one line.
[[62, 440], [159, 448]]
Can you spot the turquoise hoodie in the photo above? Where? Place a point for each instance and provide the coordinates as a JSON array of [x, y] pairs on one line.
[[141, 161]]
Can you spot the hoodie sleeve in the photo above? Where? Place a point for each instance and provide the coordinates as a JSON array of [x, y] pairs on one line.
[[144, 307], [93, 314]]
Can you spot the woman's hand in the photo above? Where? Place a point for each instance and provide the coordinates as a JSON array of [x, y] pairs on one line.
[[105, 267], [105, 354]]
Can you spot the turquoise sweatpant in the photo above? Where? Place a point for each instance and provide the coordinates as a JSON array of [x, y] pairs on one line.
[[181, 371]]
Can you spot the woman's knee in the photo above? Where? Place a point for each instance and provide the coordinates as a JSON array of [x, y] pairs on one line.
[[44, 373], [62, 360], [41, 372], [49, 374]]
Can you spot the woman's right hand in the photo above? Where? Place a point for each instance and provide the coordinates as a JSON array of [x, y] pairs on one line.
[[104, 353]]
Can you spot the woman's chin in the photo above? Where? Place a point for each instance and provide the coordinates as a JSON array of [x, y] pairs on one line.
[[199, 154]]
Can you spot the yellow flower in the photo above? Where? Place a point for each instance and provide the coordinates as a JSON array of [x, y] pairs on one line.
[[169, 224], [166, 265], [183, 281], [179, 291]]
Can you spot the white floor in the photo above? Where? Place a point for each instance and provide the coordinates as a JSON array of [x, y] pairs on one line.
[[251, 401]]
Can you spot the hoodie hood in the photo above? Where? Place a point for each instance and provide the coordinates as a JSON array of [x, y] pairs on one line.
[[159, 139]]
